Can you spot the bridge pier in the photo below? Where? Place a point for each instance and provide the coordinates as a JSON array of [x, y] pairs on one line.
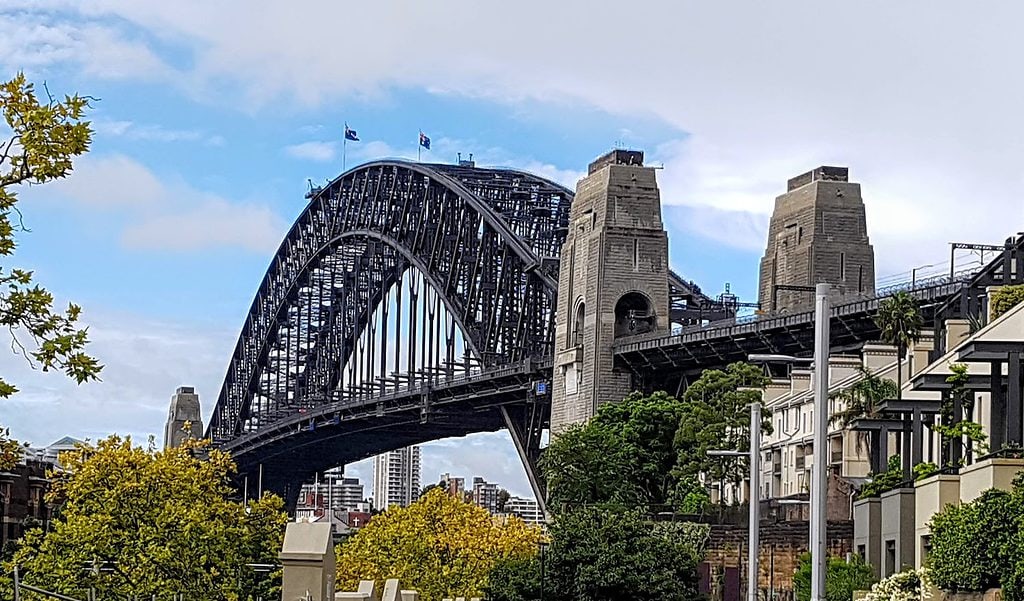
[[614, 282]]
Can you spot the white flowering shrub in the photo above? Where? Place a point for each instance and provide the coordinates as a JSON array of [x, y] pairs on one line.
[[909, 585]]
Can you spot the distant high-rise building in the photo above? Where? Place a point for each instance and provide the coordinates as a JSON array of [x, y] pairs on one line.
[[485, 494], [334, 491], [396, 478], [817, 234], [525, 509], [455, 487], [184, 408]]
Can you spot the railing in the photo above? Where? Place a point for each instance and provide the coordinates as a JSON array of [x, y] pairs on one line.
[[921, 288]]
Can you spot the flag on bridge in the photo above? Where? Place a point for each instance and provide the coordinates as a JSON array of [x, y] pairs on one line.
[[350, 134], [424, 141]]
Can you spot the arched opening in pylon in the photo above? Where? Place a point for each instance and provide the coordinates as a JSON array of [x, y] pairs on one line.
[[633, 315]]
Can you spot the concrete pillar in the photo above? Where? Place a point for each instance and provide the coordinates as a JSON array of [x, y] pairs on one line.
[[307, 560]]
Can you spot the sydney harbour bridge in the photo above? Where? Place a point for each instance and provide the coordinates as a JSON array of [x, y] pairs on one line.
[[411, 302]]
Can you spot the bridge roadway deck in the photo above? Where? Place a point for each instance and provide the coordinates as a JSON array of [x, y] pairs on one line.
[[668, 361], [352, 429]]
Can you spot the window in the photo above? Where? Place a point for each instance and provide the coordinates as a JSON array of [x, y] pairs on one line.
[[842, 266], [577, 327], [862, 552], [890, 558], [636, 254]]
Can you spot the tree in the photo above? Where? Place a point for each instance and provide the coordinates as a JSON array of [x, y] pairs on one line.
[[964, 435], [44, 138], [624, 456], [645, 427], [158, 522], [10, 450], [597, 554], [503, 497], [976, 545], [862, 399], [1006, 298], [841, 578], [439, 545], [899, 319], [716, 415], [582, 466]]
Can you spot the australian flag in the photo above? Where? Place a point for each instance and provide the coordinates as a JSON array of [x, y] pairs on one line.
[[424, 141], [350, 134]]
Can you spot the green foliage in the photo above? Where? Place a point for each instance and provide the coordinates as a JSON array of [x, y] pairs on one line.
[[162, 521], [900, 321], [582, 466], [11, 450], [975, 544], [44, 138], [716, 415], [1006, 298], [862, 399], [891, 478], [651, 451], [644, 428], [516, 580], [439, 545], [600, 555], [925, 470], [841, 578]]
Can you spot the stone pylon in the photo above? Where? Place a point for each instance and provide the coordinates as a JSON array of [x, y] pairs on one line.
[[613, 283], [184, 408], [817, 234]]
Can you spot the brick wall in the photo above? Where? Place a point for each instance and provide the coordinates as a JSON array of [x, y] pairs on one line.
[[782, 543]]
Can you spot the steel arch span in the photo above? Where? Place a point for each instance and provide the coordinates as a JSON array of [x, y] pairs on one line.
[[408, 302]]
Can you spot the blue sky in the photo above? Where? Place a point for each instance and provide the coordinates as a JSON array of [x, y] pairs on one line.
[[210, 117]]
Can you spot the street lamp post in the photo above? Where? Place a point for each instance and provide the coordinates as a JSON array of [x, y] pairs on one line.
[[754, 498], [822, 312], [819, 473]]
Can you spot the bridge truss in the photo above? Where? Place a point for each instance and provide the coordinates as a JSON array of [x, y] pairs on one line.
[[408, 302]]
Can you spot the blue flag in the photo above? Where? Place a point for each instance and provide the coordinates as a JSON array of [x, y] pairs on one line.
[[424, 141], [350, 134]]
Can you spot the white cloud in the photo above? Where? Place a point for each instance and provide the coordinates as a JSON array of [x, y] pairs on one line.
[[313, 151], [29, 43], [165, 215], [154, 133], [925, 121], [215, 223], [107, 182], [145, 361]]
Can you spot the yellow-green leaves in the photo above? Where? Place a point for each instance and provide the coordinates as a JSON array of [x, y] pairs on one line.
[[440, 546], [154, 522], [44, 136]]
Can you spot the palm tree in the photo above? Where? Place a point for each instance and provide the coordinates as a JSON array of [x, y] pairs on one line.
[[862, 399], [899, 318]]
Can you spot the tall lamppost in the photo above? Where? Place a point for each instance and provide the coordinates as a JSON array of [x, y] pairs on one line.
[[753, 499], [819, 470]]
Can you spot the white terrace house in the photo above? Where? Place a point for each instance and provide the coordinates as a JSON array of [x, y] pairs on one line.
[[891, 531], [787, 452]]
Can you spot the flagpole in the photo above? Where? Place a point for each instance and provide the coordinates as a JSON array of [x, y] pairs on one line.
[[419, 147], [344, 152]]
